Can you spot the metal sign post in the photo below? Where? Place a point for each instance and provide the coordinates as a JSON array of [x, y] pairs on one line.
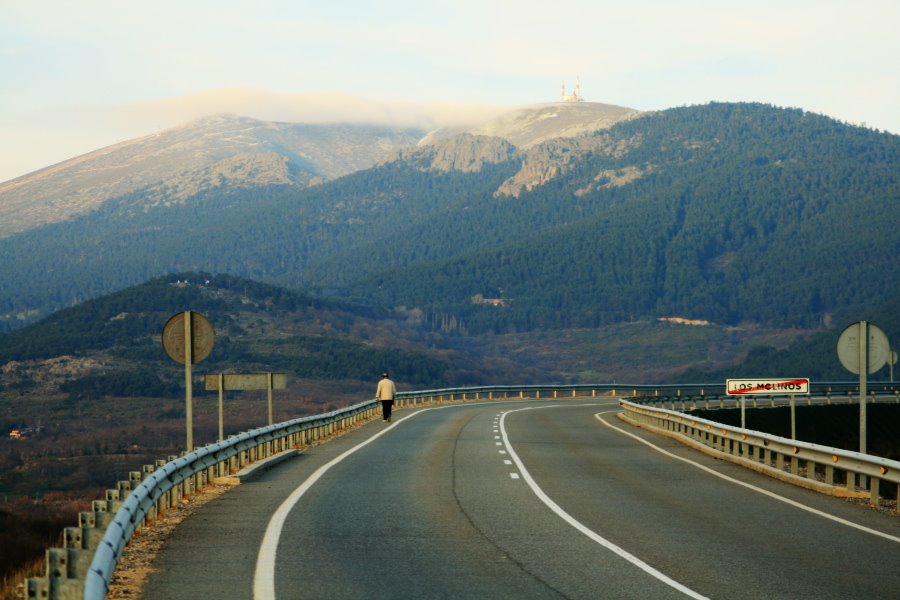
[[793, 417], [766, 387], [188, 383], [863, 368], [862, 348], [269, 395], [221, 405], [188, 338]]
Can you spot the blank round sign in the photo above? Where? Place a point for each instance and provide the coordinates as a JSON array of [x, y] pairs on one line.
[[877, 348], [202, 337]]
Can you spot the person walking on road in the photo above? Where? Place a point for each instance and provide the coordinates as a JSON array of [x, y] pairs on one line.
[[385, 392]]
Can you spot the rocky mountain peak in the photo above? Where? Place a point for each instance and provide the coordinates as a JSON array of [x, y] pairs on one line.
[[547, 138], [465, 152], [532, 125]]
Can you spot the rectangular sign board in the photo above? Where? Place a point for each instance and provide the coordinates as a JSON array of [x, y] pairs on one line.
[[740, 387], [246, 381]]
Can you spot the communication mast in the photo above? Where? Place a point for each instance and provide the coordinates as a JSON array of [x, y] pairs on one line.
[[575, 96]]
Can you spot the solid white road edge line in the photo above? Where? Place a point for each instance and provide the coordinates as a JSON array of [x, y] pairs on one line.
[[264, 578], [578, 525], [751, 486]]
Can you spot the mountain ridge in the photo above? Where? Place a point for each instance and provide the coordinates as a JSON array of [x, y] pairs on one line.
[[81, 184], [532, 125], [684, 212], [317, 152]]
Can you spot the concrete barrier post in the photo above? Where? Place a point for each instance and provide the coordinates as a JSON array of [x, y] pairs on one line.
[[91, 534], [37, 588], [73, 537], [52, 588], [874, 491], [112, 501]]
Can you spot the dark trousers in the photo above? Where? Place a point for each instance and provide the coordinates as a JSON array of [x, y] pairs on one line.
[[386, 406]]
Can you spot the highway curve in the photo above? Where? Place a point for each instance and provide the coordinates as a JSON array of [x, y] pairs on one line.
[[527, 499]]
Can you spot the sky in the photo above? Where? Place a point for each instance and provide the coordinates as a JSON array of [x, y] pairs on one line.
[[77, 76]]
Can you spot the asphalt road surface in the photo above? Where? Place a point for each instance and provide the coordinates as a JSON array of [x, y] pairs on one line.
[[528, 499]]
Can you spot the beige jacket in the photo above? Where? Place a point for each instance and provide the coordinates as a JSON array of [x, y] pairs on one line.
[[386, 390]]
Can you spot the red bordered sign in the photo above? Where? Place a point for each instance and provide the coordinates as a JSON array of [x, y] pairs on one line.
[[741, 387]]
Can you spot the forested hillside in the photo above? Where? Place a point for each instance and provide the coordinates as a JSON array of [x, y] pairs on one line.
[[815, 356], [126, 326], [733, 213], [743, 213]]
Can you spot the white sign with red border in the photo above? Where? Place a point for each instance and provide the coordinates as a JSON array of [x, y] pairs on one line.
[[744, 387]]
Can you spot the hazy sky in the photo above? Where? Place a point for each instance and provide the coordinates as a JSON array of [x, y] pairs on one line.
[[78, 75]]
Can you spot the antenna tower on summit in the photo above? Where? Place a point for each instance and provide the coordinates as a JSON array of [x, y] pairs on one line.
[[575, 96]]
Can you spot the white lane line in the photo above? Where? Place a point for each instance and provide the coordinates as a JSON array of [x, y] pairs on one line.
[[753, 487], [507, 462], [514, 475], [581, 527], [264, 578]]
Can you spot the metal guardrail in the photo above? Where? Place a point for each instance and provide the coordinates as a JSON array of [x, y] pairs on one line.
[[84, 566], [827, 469], [713, 396], [690, 395]]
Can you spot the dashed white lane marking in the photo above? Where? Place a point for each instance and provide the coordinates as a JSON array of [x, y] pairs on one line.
[[753, 487], [514, 475], [264, 576], [507, 462], [581, 527]]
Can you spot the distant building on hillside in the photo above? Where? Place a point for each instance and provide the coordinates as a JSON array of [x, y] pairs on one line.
[[480, 299], [575, 96], [683, 321], [26, 432]]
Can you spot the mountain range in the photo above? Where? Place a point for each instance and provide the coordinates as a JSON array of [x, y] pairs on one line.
[[557, 243], [555, 216], [221, 151]]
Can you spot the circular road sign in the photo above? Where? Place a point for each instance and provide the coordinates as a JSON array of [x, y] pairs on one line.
[[877, 347], [202, 337]]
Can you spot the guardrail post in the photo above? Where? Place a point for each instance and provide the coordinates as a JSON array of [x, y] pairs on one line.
[[874, 495]]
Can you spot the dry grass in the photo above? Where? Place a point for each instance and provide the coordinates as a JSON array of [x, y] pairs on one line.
[[12, 587]]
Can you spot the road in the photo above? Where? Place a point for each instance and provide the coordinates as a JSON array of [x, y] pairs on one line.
[[530, 499]]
